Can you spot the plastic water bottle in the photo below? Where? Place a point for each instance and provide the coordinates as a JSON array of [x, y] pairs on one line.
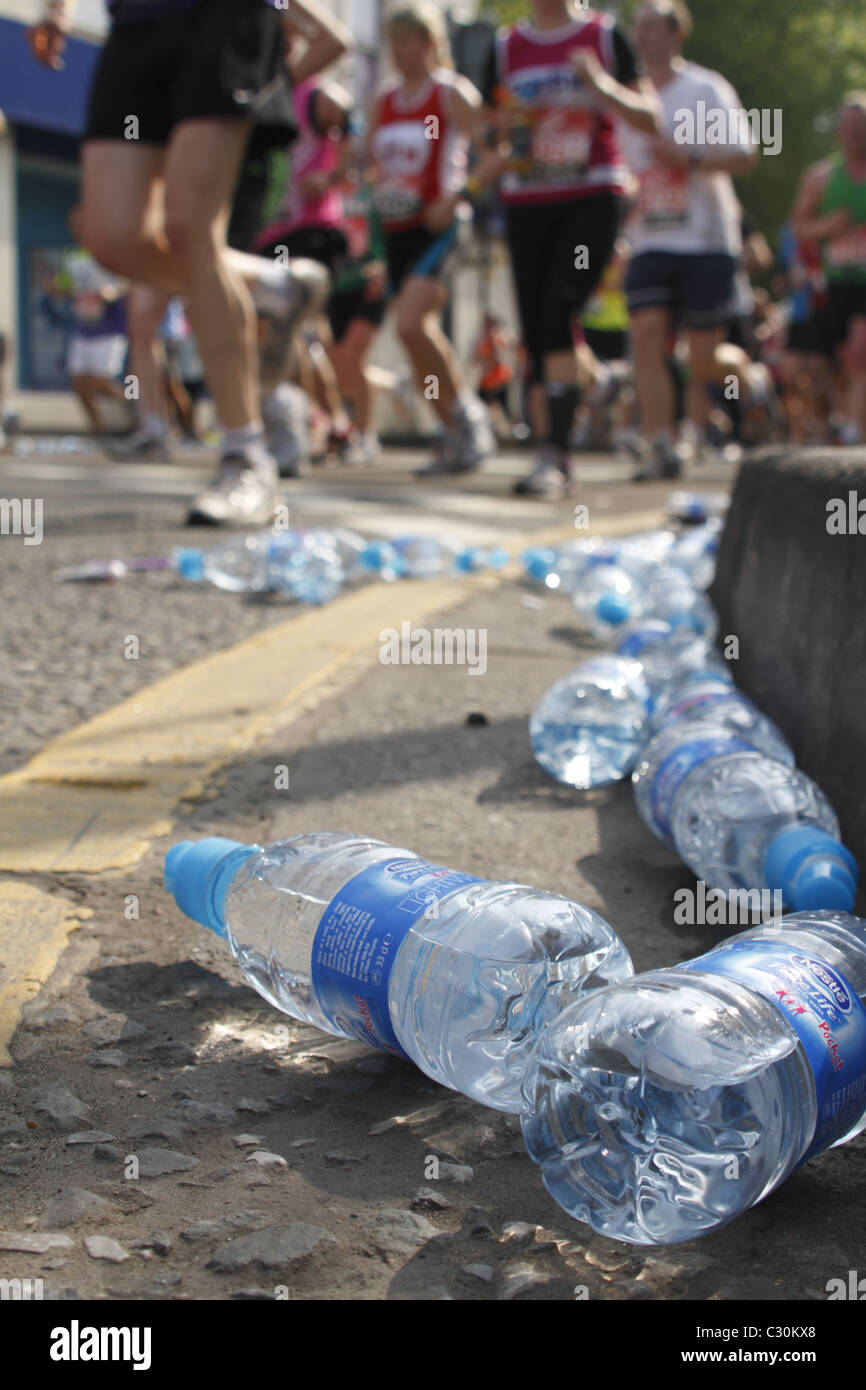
[[367, 941], [695, 553], [430, 557], [709, 696], [669, 594], [666, 1104], [668, 654], [239, 564], [605, 598], [743, 818], [587, 729], [311, 566]]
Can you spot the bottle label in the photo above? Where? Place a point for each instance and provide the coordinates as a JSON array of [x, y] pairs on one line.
[[357, 941], [825, 1012], [690, 704], [675, 768]]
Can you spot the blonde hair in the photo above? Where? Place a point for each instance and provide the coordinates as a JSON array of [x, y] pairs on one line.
[[422, 17], [857, 99]]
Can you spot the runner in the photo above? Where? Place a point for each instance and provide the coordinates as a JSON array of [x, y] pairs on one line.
[[494, 354], [356, 310], [831, 209], [180, 87], [309, 223], [685, 235], [420, 128], [559, 82], [97, 344]]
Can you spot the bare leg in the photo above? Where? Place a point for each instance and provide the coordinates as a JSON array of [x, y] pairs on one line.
[[434, 362], [201, 170], [147, 308], [86, 389], [650, 328]]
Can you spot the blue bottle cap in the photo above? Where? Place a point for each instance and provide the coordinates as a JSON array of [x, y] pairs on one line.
[[189, 562], [812, 869], [198, 873], [647, 635], [613, 608], [538, 561]]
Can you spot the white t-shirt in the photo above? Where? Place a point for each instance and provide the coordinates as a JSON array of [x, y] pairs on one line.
[[684, 210]]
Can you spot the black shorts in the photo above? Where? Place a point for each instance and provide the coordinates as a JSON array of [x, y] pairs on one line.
[[545, 240], [418, 251], [327, 245], [608, 344], [260, 188], [346, 306], [697, 288], [806, 335], [220, 58], [843, 303]]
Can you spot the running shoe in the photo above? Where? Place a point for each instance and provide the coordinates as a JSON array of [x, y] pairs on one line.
[[549, 478], [244, 494], [663, 459], [362, 450], [472, 432], [302, 293], [143, 446], [284, 412]]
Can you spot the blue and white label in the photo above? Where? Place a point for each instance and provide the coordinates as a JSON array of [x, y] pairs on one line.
[[675, 768], [824, 1011], [357, 941]]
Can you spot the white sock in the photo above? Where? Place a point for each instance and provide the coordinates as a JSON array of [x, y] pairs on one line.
[[247, 434]]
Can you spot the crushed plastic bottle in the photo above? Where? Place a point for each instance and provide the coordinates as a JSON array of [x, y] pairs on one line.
[[367, 941], [709, 696], [667, 1104], [743, 818], [586, 730]]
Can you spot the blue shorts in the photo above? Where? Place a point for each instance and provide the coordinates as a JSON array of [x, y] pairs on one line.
[[697, 288]]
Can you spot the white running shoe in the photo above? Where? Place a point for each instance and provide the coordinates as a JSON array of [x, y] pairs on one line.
[[244, 494], [549, 478], [474, 440], [285, 412], [362, 450]]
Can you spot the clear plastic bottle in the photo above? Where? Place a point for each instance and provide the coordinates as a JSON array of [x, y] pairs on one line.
[[586, 730], [605, 598], [663, 1106], [695, 553], [668, 654], [741, 818], [368, 941], [668, 593], [239, 564], [709, 695]]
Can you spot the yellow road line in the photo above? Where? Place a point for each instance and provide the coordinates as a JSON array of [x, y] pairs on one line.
[[34, 926], [94, 798]]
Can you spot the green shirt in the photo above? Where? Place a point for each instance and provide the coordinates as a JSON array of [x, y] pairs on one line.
[[845, 255]]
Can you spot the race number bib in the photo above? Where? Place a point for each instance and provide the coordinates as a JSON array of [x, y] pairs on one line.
[[396, 199], [561, 142], [663, 200], [848, 252]]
